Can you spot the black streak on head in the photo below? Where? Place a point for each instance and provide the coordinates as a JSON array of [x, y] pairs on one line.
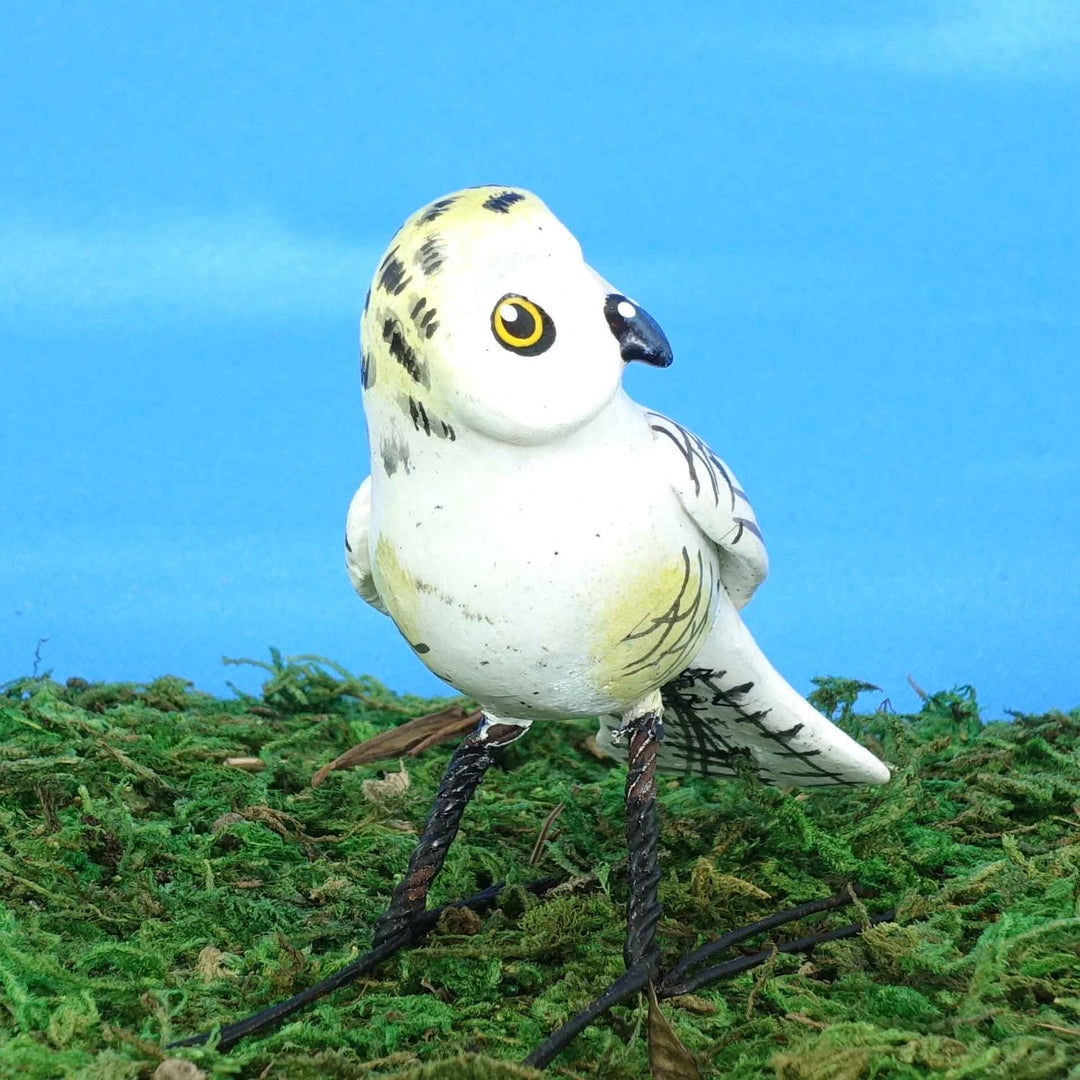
[[435, 209], [392, 274], [367, 369], [403, 353], [367, 300], [429, 256], [419, 415], [424, 320], [348, 546], [502, 202], [428, 323]]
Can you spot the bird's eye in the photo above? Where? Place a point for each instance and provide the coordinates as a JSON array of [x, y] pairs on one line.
[[522, 326]]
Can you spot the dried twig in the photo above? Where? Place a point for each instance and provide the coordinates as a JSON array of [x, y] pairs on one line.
[[405, 740], [545, 830]]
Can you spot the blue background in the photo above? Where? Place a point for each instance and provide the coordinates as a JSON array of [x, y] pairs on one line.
[[858, 226]]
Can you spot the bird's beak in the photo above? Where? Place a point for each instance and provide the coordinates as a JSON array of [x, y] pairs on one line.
[[637, 332]]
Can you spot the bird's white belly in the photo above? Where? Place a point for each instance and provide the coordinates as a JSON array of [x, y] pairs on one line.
[[576, 609]]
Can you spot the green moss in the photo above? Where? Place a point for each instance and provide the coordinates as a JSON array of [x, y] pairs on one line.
[[149, 890]]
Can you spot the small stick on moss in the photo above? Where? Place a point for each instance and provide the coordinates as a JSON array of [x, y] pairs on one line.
[[545, 829], [248, 764]]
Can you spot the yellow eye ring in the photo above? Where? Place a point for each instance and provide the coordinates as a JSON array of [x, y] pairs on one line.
[[522, 326]]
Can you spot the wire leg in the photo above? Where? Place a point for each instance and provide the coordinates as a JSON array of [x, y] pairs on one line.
[[230, 1034], [462, 778], [407, 919], [643, 909]]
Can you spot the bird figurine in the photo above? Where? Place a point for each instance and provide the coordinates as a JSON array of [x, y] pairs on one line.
[[554, 550], [551, 548]]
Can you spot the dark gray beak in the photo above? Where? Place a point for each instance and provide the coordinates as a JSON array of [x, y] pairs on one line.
[[637, 332]]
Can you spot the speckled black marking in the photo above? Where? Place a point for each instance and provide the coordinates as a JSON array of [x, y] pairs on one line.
[[367, 369], [419, 416], [422, 648], [430, 255], [425, 322], [403, 353], [423, 419], [394, 453], [367, 300], [502, 202], [435, 210], [392, 275]]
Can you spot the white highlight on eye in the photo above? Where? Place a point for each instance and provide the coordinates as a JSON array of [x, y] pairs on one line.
[[626, 309], [508, 313]]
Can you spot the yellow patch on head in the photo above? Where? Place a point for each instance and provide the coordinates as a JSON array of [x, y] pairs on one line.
[[401, 314]]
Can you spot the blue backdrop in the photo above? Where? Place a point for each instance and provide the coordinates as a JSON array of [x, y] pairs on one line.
[[858, 228]]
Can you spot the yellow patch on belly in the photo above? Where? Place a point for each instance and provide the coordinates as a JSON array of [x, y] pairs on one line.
[[397, 588], [652, 627]]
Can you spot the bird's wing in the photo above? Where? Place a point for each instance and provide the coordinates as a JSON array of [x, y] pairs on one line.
[[357, 555], [711, 495], [732, 710]]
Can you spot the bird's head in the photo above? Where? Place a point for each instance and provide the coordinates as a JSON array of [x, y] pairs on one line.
[[483, 315]]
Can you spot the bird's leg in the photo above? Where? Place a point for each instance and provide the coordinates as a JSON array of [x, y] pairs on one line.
[[407, 920], [462, 778], [644, 728]]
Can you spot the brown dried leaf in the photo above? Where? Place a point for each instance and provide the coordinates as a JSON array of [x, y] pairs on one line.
[[406, 740], [668, 1058]]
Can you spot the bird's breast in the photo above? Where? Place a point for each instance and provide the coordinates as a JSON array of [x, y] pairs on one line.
[[564, 606]]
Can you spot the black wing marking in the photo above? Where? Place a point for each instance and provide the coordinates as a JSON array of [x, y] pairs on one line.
[[697, 453], [698, 712], [678, 626]]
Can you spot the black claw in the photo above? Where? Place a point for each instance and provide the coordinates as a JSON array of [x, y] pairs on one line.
[[673, 984], [420, 924]]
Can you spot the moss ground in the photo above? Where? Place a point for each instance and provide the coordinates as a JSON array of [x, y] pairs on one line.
[[149, 890]]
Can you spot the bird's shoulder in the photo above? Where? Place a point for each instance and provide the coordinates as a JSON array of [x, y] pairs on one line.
[[712, 496]]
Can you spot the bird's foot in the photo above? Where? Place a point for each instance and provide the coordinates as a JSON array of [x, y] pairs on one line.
[[411, 931], [678, 979]]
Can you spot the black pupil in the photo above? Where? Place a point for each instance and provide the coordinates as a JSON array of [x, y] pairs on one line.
[[520, 323]]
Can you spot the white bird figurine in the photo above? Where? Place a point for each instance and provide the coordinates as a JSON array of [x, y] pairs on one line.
[[548, 546], [555, 550]]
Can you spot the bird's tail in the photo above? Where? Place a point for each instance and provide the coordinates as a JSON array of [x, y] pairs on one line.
[[732, 706]]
